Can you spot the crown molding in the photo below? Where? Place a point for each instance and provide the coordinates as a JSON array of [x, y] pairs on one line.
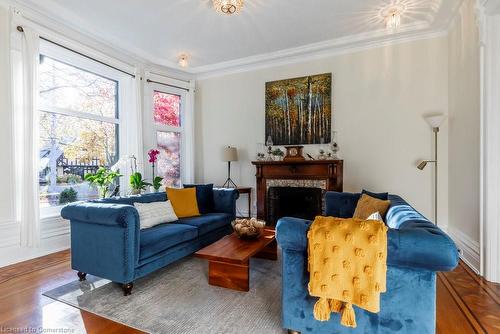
[[73, 26], [311, 52]]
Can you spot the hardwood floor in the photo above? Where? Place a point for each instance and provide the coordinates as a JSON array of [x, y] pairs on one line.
[[465, 302]]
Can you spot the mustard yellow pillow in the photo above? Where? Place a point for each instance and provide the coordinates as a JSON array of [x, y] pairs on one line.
[[183, 201], [368, 205]]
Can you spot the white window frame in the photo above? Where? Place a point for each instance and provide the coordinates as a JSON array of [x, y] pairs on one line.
[[150, 136], [73, 59]]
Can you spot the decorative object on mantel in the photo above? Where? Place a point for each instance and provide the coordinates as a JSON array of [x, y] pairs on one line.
[[229, 154], [261, 148], [294, 153], [269, 144], [328, 173], [248, 228], [278, 154], [335, 147], [435, 121], [299, 110], [322, 155], [228, 7], [153, 157]]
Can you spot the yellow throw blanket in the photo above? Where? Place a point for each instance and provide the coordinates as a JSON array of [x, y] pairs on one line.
[[347, 265]]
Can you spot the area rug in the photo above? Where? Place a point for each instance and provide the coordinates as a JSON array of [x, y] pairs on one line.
[[177, 299]]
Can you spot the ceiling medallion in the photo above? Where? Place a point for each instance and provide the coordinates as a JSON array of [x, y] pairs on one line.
[[392, 16], [228, 7]]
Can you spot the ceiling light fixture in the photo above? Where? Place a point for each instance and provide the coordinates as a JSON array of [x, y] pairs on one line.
[[392, 16], [183, 60], [228, 7]]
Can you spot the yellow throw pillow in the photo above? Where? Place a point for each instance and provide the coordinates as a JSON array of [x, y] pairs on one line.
[[368, 205], [183, 201]]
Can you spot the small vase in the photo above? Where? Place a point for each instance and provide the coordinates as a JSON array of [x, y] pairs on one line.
[[136, 191], [153, 190]]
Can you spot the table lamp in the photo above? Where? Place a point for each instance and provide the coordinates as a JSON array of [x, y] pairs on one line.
[[229, 154]]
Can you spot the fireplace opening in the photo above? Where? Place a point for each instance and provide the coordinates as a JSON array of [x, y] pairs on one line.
[[305, 203]]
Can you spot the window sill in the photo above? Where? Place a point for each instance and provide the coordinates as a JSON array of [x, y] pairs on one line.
[[50, 213]]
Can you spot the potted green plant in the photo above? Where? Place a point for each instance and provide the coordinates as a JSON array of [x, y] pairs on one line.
[[278, 154], [137, 183], [103, 178]]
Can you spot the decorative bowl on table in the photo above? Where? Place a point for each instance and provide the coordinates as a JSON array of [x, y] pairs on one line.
[[248, 228]]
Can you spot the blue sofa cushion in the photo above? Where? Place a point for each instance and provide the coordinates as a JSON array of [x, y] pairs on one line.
[[381, 196], [208, 222], [341, 205], [161, 237], [204, 196]]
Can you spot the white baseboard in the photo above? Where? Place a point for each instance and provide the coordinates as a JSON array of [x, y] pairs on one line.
[[15, 254], [469, 249]]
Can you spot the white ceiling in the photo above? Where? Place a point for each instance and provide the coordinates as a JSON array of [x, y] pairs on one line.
[[159, 30]]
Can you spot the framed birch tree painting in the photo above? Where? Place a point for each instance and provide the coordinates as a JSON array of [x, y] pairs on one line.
[[299, 110]]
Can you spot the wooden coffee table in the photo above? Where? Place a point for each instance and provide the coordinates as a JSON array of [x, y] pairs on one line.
[[229, 259]]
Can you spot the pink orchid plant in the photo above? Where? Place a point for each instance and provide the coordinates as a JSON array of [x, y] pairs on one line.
[[153, 157]]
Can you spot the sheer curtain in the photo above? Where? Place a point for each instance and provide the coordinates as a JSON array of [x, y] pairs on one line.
[[25, 60], [131, 119]]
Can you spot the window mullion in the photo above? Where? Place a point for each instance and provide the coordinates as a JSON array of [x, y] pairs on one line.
[[79, 114]]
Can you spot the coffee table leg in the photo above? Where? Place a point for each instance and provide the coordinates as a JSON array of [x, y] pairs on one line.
[[270, 252], [229, 275]]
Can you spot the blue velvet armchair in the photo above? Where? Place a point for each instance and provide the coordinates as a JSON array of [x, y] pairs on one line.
[[417, 249], [106, 239]]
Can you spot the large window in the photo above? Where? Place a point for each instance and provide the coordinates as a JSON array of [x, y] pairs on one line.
[[79, 127], [167, 116]]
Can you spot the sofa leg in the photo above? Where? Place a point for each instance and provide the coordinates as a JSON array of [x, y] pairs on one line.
[[82, 276], [290, 331], [127, 288]]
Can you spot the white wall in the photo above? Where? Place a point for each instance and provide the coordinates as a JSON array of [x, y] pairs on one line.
[[464, 132], [379, 97]]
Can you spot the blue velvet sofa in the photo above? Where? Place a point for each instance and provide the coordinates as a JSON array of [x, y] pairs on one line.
[[106, 239], [417, 249]]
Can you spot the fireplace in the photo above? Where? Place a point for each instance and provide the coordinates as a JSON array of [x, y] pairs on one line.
[[298, 202], [323, 174]]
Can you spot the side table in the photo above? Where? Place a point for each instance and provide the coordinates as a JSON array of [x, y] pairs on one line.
[[248, 192]]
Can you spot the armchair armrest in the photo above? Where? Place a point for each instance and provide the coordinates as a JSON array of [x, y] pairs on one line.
[[225, 200], [421, 245], [291, 233]]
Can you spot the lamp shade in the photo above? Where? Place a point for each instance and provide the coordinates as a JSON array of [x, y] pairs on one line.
[[435, 121], [230, 154]]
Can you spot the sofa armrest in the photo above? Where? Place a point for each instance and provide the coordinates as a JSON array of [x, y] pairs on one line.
[[104, 239], [416, 245], [291, 233], [101, 213], [421, 245], [225, 200]]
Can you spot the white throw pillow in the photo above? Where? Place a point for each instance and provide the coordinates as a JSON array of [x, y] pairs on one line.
[[375, 216], [151, 214]]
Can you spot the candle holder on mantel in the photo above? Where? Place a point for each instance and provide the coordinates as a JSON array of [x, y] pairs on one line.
[[269, 144], [335, 146]]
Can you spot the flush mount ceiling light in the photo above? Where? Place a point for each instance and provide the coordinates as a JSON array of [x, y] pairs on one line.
[[183, 60], [392, 16], [228, 7]]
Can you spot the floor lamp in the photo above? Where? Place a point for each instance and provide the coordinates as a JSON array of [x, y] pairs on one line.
[[229, 154], [435, 122]]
